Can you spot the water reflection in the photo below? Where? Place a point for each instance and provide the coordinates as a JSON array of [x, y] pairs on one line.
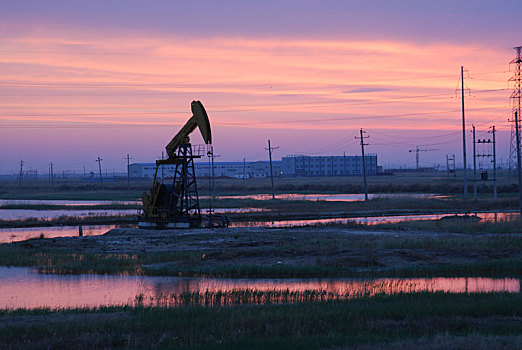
[[345, 197], [18, 234], [71, 203], [56, 291], [239, 210], [8, 235], [375, 220], [21, 214]]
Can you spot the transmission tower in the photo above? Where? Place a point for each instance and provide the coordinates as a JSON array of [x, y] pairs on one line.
[[512, 158], [515, 102], [450, 165]]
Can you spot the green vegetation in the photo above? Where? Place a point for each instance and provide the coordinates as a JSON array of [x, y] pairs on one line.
[[452, 247], [455, 225], [308, 252], [285, 210], [496, 268], [66, 220], [403, 321], [430, 182], [59, 261]]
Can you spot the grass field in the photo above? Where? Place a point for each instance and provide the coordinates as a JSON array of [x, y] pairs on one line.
[[430, 182], [329, 251], [452, 248], [404, 321]]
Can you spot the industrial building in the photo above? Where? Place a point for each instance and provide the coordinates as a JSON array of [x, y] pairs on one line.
[[238, 170], [300, 165]]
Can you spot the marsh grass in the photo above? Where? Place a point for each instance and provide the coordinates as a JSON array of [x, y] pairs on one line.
[[66, 220], [190, 263], [453, 225], [370, 322], [64, 262]]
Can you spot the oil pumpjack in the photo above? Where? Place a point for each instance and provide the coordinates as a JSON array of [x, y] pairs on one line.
[[176, 205]]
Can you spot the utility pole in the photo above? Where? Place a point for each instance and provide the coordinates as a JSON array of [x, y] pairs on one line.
[[128, 157], [494, 164], [99, 160], [270, 149], [21, 173], [244, 169], [364, 163], [51, 174], [447, 166], [474, 166], [464, 137], [344, 161], [213, 174]]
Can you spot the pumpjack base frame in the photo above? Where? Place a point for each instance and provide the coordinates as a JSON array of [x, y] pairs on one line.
[[203, 221]]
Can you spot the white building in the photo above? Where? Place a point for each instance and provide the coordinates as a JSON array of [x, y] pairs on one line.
[[221, 169], [328, 165]]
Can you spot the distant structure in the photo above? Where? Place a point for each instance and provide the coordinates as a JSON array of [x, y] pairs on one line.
[[515, 102], [301, 165], [292, 165], [417, 150], [238, 170]]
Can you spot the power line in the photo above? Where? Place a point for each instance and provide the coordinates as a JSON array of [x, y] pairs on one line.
[[293, 121]]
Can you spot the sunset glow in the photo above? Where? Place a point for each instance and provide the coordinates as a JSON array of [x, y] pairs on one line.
[[78, 90]]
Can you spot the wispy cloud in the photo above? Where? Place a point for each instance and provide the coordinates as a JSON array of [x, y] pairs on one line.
[[256, 85]]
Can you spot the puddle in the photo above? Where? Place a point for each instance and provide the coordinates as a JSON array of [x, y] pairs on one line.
[[71, 291], [19, 234], [8, 235], [373, 220], [21, 214], [332, 197], [236, 210], [71, 203]]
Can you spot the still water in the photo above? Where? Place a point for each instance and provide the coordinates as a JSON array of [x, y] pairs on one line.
[[22, 214], [8, 235], [71, 203], [346, 197], [24, 288], [373, 220], [19, 234]]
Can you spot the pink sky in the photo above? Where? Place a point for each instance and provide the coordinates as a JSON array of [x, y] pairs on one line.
[[82, 81]]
